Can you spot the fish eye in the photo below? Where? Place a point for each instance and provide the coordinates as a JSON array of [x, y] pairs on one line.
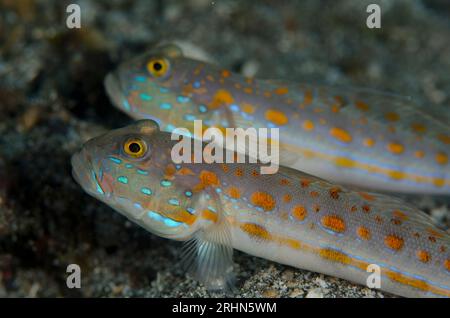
[[135, 147], [158, 67]]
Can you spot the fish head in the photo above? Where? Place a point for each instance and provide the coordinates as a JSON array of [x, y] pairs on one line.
[[157, 85], [125, 168]]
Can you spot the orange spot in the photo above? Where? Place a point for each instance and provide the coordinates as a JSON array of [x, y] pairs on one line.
[[334, 193], [333, 223], [285, 182], [423, 256], [248, 90], [308, 125], [439, 182], [207, 178], [353, 208], [396, 221], [225, 167], [404, 280], [396, 175], [418, 128], [447, 264], [361, 106], [392, 116], [256, 230], [316, 208], [299, 212], [395, 148], [340, 134], [444, 139], [226, 73], [305, 183], [441, 158], [185, 171], [248, 108], [263, 200], [368, 142], [170, 171], [209, 215], [419, 154], [435, 233], [344, 162], [276, 117], [287, 198], [239, 172], [308, 98], [314, 194], [335, 256], [400, 215], [281, 91], [432, 239], [267, 94], [394, 242], [234, 192], [378, 219], [363, 233], [255, 173], [366, 196], [210, 78], [365, 208], [221, 98]]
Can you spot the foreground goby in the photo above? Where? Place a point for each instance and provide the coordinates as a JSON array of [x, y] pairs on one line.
[[289, 217]]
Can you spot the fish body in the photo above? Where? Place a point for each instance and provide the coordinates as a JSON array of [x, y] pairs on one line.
[[289, 217], [349, 136]]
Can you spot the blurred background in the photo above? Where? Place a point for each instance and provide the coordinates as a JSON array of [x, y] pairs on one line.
[[52, 99]]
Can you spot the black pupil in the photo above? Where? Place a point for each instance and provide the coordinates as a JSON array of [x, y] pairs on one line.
[[134, 147], [157, 66]]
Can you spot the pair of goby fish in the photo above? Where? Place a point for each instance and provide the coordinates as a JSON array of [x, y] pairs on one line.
[[354, 137]]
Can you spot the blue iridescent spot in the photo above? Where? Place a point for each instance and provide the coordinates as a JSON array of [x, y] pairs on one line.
[[158, 217], [99, 189], [115, 160], [146, 191], [174, 202], [143, 172], [188, 193], [126, 105], [170, 127], [202, 109], [166, 183], [183, 99], [128, 166], [163, 89], [141, 79], [234, 108], [137, 205], [196, 84], [123, 179], [218, 190], [190, 210], [189, 117], [146, 97], [165, 106], [212, 209]]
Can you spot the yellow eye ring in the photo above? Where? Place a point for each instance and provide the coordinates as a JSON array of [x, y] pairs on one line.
[[135, 147], [158, 67]]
